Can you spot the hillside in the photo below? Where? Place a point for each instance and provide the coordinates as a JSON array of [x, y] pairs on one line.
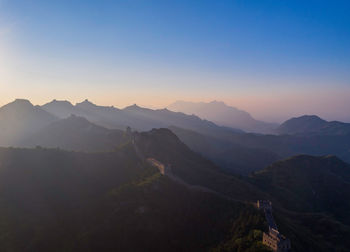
[[307, 183], [313, 125], [224, 115], [67, 201], [309, 195], [115, 200]]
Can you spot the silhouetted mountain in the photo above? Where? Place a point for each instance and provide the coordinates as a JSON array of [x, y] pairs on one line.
[[308, 183], [307, 125], [19, 119], [134, 116], [220, 113], [76, 133]]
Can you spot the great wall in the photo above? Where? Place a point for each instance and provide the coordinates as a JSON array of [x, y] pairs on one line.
[[273, 239]]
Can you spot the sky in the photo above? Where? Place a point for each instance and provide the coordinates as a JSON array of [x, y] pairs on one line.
[[274, 59]]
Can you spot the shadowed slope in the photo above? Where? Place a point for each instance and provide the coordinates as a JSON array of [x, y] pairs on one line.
[[55, 200]]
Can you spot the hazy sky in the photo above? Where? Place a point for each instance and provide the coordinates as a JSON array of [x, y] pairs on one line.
[[275, 59]]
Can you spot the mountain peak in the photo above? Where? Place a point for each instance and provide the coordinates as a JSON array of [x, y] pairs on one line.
[[302, 125], [309, 117], [19, 105], [21, 102], [86, 103], [59, 102], [133, 107]]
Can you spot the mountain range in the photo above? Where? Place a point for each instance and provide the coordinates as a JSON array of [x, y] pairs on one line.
[[136, 117], [244, 153], [191, 185], [88, 127]]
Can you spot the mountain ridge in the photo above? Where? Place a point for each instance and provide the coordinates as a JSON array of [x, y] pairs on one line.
[[312, 124], [222, 114], [134, 116]]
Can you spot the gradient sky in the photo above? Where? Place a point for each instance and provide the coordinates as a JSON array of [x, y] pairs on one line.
[[275, 59]]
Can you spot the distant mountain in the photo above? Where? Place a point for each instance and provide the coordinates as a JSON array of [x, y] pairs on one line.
[[61, 109], [311, 124], [104, 116], [308, 183], [134, 116], [222, 114], [243, 153], [19, 119], [76, 133], [289, 145], [231, 157]]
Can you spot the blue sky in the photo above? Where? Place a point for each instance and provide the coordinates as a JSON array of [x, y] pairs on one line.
[[256, 55]]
